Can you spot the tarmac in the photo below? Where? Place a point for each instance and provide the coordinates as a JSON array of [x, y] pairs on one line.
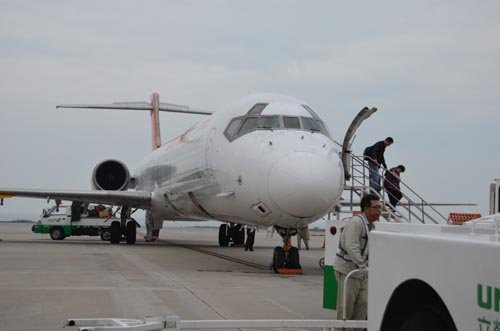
[[44, 282]]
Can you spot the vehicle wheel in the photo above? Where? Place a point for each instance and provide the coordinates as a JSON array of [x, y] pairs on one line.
[[278, 258], [57, 233], [322, 263], [106, 234], [131, 233], [293, 258], [424, 320], [223, 235], [116, 232]]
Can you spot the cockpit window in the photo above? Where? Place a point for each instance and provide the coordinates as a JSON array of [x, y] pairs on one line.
[[312, 112], [269, 122], [323, 129], [249, 125], [240, 126], [257, 109], [309, 124], [232, 128], [291, 122]]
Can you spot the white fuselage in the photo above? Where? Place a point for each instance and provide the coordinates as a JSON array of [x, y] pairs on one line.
[[283, 175]]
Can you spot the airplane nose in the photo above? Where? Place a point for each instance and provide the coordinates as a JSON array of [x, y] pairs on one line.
[[304, 184]]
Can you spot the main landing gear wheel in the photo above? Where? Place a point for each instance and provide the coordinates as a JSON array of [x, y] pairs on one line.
[[131, 232], [224, 236], [57, 233], [238, 235], [116, 232]]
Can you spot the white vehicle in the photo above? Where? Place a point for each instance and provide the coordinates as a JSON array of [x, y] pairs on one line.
[[266, 160], [428, 277], [59, 223]]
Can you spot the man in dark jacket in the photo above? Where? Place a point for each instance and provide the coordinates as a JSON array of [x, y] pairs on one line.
[[391, 184], [375, 157]]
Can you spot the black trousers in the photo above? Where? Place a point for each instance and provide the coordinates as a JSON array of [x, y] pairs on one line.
[[394, 196], [250, 239]]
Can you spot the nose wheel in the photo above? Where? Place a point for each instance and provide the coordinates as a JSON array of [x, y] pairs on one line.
[[286, 259]]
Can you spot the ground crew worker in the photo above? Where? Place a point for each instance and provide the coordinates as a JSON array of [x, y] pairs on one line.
[[303, 234], [352, 254], [250, 238]]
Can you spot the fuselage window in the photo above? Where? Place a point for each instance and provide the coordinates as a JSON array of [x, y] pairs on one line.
[[249, 125], [232, 128], [257, 109], [291, 122], [309, 124], [269, 122]]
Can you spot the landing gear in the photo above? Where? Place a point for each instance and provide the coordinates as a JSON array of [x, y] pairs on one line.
[[116, 232], [131, 232], [231, 232], [123, 229], [224, 236], [286, 259]]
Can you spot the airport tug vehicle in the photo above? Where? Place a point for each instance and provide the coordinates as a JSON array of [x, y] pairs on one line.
[[63, 221]]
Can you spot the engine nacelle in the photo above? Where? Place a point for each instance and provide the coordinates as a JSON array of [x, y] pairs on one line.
[[110, 175]]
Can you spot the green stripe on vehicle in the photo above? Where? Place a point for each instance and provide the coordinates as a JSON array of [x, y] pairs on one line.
[[330, 288], [45, 228]]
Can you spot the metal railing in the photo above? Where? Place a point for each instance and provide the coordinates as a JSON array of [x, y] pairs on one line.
[[172, 323], [412, 207]]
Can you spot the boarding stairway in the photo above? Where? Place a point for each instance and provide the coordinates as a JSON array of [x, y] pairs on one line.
[[412, 208]]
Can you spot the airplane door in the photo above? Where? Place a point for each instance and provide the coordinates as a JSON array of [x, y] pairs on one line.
[[348, 138]]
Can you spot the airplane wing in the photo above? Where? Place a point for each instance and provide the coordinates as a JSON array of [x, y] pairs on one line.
[[133, 199], [168, 107]]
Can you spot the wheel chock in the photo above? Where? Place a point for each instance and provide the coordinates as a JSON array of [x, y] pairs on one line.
[[289, 271], [237, 245]]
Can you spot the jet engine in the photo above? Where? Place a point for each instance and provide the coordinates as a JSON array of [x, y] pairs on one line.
[[110, 175]]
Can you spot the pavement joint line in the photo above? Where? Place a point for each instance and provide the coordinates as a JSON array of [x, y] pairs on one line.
[[221, 256]]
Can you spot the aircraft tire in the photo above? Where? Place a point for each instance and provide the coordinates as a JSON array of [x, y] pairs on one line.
[[223, 235], [57, 233], [293, 258], [131, 233], [278, 258], [106, 234], [116, 232], [239, 236]]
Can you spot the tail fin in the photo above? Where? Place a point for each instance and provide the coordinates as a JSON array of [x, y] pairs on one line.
[[155, 121], [155, 106]]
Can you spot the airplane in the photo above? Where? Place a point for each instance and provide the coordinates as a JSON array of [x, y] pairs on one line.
[[265, 160]]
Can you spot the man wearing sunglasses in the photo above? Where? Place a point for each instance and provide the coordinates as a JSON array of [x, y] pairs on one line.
[[352, 254]]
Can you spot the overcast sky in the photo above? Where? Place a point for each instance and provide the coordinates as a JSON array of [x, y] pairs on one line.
[[431, 67]]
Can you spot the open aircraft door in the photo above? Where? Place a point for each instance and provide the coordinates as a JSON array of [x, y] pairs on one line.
[[350, 135]]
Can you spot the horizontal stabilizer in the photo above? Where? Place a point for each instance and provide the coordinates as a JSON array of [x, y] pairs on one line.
[[168, 107], [133, 199]]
